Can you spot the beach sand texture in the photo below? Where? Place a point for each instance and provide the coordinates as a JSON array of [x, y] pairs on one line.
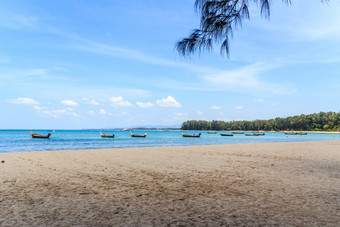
[[286, 184]]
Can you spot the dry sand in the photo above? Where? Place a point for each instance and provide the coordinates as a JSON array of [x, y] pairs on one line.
[[278, 184]]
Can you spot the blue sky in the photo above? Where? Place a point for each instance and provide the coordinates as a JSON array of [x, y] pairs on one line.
[[73, 64]]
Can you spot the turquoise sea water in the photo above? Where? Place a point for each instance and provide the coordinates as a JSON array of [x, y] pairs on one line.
[[20, 140]]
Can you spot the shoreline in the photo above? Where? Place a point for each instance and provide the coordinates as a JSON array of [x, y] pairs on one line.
[[289, 183], [175, 147]]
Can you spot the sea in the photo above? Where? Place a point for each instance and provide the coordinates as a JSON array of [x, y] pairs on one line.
[[21, 141]]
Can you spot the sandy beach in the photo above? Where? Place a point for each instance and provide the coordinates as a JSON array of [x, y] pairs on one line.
[[273, 184]]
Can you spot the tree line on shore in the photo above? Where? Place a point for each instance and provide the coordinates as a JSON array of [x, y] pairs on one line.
[[322, 121]]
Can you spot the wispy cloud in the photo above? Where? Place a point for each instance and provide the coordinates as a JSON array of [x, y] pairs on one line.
[[181, 114], [301, 23], [144, 104], [125, 53], [102, 112], [246, 79], [259, 100], [17, 21], [91, 112], [25, 101], [69, 103], [44, 111], [91, 102], [215, 107]]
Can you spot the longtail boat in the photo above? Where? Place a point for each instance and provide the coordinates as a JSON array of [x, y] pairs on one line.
[[247, 134], [189, 135], [107, 136], [211, 132], [290, 133], [227, 134], [259, 133], [136, 135], [237, 132], [35, 135], [302, 133]]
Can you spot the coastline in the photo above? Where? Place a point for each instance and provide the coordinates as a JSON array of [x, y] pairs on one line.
[[290, 183]]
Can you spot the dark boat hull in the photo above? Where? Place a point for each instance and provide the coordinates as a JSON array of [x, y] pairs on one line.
[[290, 133], [136, 135], [224, 134], [251, 134], [108, 136], [37, 136], [133, 135], [192, 136]]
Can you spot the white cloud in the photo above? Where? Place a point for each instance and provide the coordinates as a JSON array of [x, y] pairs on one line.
[[168, 102], [119, 101], [91, 102], [94, 102], [239, 107], [37, 108], [102, 112], [215, 107], [259, 100], [26, 101], [57, 113], [180, 116], [144, 104], [91, 112], [199, 112], [69, 103]]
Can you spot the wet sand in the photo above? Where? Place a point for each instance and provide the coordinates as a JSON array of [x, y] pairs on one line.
[[273, 184]]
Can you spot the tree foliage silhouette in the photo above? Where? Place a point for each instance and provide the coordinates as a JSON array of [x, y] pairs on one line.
[[218, 20]]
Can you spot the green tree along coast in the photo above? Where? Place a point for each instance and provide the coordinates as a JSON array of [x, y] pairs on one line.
[[322, 121]]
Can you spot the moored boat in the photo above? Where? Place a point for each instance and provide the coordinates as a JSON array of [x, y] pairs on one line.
[[290, 133], [136, 135], [247, 134], [227, 134], [302, 133], [191, 135], [237, 132], [259, 133], [107, 136], [211, 132], [38, 136]]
